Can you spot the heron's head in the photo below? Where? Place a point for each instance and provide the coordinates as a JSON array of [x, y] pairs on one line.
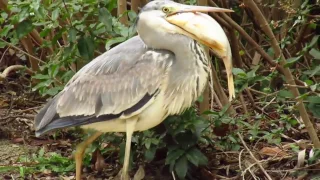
[[164, 19]]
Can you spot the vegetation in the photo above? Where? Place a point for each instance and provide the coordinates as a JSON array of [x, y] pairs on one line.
[[271, 130]]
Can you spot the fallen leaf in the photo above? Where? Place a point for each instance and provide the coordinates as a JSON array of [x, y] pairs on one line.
[[139, 174], [98, 161], [273, 151]]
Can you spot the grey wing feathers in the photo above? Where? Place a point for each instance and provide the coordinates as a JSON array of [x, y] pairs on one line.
[[118, 82]]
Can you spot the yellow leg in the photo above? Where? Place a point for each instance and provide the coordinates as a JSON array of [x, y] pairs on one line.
[[80, 151], [130, 126]]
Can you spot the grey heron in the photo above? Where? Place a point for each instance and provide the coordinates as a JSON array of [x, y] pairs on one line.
[[137, 84]]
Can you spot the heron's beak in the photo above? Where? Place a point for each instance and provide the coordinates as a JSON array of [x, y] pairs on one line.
[[206, 30]]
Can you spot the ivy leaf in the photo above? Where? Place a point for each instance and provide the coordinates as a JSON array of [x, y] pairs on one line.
[[106, 18], [86, 47], [24, 28], [181, 167]]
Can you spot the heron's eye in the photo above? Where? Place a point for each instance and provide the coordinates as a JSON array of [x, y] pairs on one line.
[[165, 9]]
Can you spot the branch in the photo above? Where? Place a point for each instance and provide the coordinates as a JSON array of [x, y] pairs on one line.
[[286, 71], [122, 8], [17, 48]]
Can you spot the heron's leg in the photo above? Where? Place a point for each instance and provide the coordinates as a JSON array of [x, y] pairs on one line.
[[130, 126], [80, 151]]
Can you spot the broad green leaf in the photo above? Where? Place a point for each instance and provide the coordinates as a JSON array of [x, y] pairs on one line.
[[23, 14], [150, 153], [315, 53], [238, 71], [313, 99], [181, 167], [196, 157], [132, 15], [24, 28], [147, 143], [5, 30], [2, 44], [55, 14], [174, 155], [285, 94], [86, 47], [72, 35], [45, 32], [53, 91], [42, 84], [106, 18], [113, 41]]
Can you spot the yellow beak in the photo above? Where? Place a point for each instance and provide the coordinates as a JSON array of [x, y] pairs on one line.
[[207, 31]]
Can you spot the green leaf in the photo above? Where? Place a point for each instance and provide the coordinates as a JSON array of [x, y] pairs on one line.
[[150, 153], [41, 76], [53, 70], [292, 60], [314, 40], [106, 18], [86, 47], [2, 44], [147, 143], [181, 167], [285, 94], [315, 53], [174, 155], [315, 71], [132, 15], [113, 41], [72, 35], [24, 28], [238, 71], [313, 99], [55, 14], [53, 91], [5, 30], [42, 84]]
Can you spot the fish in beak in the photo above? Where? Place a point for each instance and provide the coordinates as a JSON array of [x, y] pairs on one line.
[[207, 31]]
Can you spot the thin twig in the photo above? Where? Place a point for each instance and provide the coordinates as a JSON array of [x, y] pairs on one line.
[[254, 158], [15, 47]]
